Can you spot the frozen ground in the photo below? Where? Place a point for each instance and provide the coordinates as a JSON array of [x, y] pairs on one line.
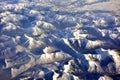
[[59, 40]]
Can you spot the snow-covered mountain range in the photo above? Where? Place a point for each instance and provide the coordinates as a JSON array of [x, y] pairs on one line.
[[59, 40]]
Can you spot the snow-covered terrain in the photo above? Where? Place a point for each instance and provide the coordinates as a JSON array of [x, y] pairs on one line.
[[59, 39]]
